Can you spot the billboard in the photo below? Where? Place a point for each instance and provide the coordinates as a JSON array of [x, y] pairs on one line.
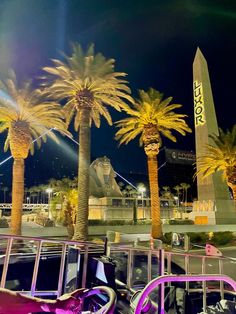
[[183, 157]]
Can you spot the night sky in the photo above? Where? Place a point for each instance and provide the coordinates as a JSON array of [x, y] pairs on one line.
[[153, 41]]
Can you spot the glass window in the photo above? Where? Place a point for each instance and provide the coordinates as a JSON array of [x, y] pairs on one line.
[[116, 202], [129, 203]]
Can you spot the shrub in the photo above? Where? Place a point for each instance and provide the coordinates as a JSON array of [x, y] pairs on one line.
[[144, 222], [198, 237], [167, 237], [48, 223], [3, 223], [98, 222], [181, 222], [222, 238]]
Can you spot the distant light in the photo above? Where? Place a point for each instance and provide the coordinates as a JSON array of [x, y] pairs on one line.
[[141, 188]]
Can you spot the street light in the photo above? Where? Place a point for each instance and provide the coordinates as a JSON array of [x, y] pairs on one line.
[[49, 191], [142, 190]]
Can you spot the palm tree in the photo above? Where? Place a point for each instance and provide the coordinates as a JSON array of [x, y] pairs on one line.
[[150, 117], [178, 188], [88, 83], [65, 190], [220, 156], [185, 187], [42, 190], [166, 193], [25, 116], [33, 192]]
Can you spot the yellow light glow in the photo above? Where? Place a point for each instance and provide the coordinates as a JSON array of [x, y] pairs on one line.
[[199, 111]]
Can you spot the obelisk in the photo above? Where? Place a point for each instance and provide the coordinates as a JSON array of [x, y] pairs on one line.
[[213, 190]]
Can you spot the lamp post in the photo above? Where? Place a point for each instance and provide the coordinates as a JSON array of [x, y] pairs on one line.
[[142, 190], [49, 191]]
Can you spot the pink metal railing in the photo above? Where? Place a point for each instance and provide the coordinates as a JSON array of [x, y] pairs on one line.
[[177, 278], [11, 243]]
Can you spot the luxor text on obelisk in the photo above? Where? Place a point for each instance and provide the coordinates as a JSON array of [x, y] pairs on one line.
[[214, 204]]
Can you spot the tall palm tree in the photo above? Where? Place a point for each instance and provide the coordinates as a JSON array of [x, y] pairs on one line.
[[220, 156], [150, 117], [88, 83], [26, 116]]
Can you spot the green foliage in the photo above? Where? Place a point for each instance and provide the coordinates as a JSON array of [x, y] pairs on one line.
[[49, 223], [167, 237], [144, 222], [97, 222], [219, 238], [201, 238], [222, 238], [181, 222], [44, 221], [3, 223], [198, 237], [220, 156]]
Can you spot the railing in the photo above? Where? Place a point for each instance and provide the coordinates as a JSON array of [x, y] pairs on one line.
[[25, 206], [13, 247], [158, 262], [181, 259], [164, 266], [180, 278]]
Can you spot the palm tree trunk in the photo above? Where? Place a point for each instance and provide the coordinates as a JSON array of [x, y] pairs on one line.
[[17, 195], [156, 231], [81, 223]]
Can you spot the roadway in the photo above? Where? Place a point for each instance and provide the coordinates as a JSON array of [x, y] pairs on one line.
[[212, 266]]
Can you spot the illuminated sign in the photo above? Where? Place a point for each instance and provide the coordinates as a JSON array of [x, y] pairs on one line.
[[203, 206], [198, 104], [179, 156]]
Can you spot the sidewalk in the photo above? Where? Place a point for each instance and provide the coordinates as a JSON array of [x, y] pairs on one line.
[[35, 230]]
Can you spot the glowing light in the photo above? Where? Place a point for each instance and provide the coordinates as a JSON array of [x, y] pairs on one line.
[[141, 189], [6, 97]]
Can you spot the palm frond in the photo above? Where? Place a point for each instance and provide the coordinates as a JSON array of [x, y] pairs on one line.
[[151, 110], [219, 156], [85, 70], [27, 105]]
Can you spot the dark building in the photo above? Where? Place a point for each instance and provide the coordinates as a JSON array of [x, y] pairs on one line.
[[178, 167]]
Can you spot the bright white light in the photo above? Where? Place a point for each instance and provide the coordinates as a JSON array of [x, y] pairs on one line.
[[141, 189], [49, 190]]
